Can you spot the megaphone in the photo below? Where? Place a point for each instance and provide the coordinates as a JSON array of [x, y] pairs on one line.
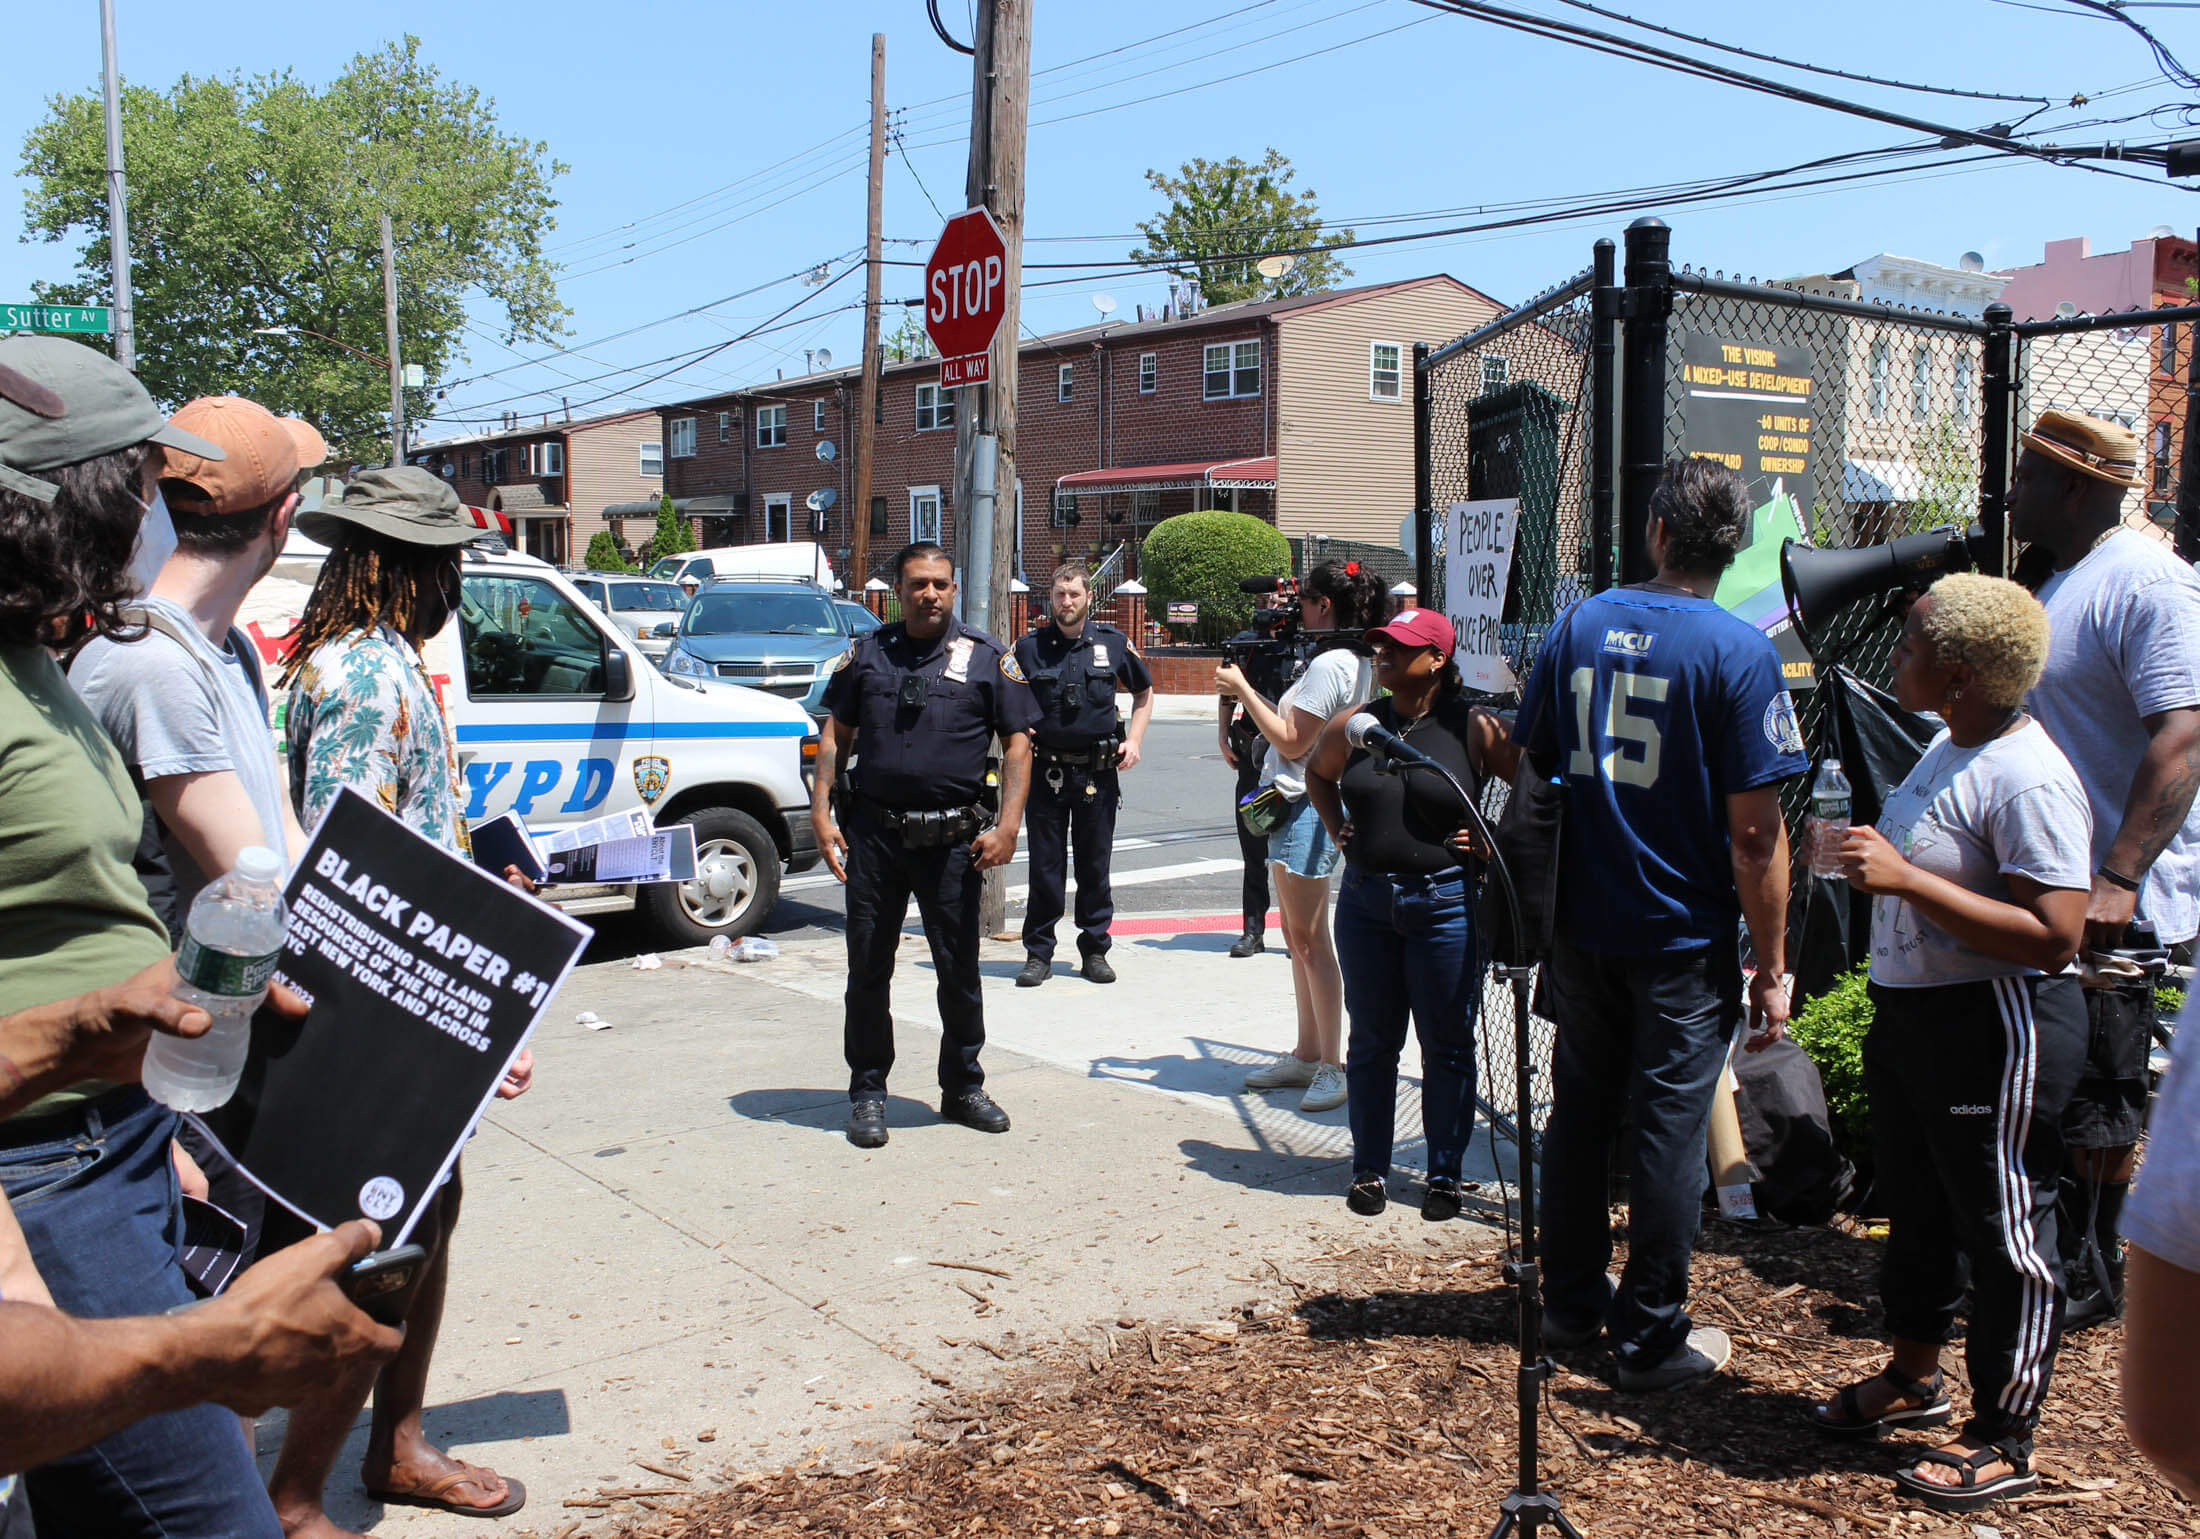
[[1819, 584]]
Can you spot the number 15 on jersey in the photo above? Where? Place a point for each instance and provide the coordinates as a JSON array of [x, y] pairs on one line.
[[1625, 744]]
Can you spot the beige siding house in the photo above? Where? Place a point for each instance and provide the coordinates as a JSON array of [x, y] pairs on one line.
[[607, 469], [1344, 403]]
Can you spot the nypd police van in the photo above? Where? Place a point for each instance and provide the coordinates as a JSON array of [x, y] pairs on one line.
[[560, 719]]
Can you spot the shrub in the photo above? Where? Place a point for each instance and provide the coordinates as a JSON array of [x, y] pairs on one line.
[[1202, 557], [1830, 1028], [2168, 1000], [603, 554], [673, 535]]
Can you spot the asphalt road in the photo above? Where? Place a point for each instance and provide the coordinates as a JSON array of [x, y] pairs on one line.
[[1175, 851]]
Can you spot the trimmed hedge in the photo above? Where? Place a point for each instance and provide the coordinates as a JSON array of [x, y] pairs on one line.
[[1202, 557], [603, 554]]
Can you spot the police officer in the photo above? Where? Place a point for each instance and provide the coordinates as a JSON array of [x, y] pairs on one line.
[[916, 706], [1075, 665], [1269, 669]]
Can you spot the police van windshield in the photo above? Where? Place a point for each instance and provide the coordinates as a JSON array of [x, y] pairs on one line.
[[777, 614], [662, 596]]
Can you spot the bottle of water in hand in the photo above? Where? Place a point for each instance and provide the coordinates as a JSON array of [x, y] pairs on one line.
[[231, 943], [1829, 811]]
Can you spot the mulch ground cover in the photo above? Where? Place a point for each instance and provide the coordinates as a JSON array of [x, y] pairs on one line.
[[1371, 1394]]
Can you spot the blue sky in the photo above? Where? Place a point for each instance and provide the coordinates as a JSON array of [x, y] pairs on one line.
[[752, 116]]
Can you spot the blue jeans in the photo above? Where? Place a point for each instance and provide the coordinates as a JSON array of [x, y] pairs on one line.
[[1406, 946], [1640, 1039], [99, 1204]]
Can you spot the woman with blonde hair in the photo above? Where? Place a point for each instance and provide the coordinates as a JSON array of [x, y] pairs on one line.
[[1981, 868]]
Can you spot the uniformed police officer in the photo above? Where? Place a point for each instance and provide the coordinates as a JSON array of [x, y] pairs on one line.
[[1075, 665], [916, 707]]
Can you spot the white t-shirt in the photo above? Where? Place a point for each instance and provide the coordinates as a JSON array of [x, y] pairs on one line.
[[2124, 643], [2164, 1211], [1333, 680], [2011, 806]]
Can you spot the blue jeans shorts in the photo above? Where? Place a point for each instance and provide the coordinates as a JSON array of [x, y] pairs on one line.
[[1301, 845]]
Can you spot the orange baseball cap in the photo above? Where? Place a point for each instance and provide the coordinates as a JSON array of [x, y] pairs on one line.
[[265, 454]]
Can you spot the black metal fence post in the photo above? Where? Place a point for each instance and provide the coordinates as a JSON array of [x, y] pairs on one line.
[[1997, 431], [1424, 516], [1602, 413], [1649, 304]]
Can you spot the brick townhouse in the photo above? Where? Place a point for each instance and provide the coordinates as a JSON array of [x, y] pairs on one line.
[[558, 482], [1295, 410]]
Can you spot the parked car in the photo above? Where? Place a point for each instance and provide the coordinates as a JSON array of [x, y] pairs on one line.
[[771, 634], [855, 619], [648, 609], [794, 560]]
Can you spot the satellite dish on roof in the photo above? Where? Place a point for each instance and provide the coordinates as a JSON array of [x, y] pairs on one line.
[[2065, 310], [1971, 262], [1104, 303], [1275, 266], [824, 359], [2162, 232], [826, 450], [821, 499], [447, 470]]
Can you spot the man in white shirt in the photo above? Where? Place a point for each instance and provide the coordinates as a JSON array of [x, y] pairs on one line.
[[2121, 697]]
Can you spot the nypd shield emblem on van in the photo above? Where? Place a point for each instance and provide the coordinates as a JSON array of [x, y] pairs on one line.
[[652, 773]]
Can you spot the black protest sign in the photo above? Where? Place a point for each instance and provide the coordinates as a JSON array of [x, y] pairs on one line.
[[425, 975]]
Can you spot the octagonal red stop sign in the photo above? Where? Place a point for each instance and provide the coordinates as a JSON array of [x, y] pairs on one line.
[[966, 285]]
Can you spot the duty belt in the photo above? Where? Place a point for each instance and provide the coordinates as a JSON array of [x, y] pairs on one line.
[[1098, 756], [922, 829]]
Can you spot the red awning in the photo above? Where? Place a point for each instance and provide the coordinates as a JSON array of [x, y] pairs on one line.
[[1258, 474]]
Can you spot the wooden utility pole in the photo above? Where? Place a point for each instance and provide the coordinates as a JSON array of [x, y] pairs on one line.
[[1000, 106], [859, 513], [389, 337]]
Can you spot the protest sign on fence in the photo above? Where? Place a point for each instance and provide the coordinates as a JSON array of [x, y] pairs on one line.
[[1477, 548], [426, 976]]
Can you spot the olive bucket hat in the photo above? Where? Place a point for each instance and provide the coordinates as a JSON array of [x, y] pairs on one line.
[[400, 502], [104, 408]]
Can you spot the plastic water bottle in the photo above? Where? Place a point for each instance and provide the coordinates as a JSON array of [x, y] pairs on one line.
[[231, 943], [1829, 810]]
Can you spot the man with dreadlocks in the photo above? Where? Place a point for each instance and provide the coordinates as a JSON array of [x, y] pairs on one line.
[[364, 714]]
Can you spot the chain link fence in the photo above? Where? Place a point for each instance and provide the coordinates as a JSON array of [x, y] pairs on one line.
[[2135, 369]]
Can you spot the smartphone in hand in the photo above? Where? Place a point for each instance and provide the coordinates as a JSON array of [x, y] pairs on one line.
[[382, 1283]]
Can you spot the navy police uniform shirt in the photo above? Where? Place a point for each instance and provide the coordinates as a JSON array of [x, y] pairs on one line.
[[1075, 682], [1654, 707], [921, 746]]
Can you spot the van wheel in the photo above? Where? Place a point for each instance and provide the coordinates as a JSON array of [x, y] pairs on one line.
[[736, 881]]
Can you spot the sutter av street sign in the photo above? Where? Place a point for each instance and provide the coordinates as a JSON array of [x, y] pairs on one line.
[[966, 295], [29, 317]]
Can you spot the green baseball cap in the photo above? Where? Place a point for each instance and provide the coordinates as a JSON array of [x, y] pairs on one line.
[[400, 502], [105, 409]]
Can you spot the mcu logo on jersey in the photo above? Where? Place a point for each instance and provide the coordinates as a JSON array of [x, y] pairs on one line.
[[1626, 643]]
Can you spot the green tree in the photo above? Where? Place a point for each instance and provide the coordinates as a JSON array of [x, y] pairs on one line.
[[256, 203], [1202, 557], [673, 536], [1225, 215], [603, 554], [908, 341]]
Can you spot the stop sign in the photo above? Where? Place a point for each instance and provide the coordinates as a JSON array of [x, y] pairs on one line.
[[966, 285]]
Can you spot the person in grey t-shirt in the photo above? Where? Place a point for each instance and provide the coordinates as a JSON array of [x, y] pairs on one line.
[[2121, 697], [2161, 1367]]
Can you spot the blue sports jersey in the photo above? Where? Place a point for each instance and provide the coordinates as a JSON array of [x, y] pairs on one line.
[[1656, 707]]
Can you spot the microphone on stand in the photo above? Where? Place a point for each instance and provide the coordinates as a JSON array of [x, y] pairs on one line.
[[1390, 751]]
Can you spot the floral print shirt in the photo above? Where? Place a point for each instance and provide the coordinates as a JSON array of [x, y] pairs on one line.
[[363, 714]]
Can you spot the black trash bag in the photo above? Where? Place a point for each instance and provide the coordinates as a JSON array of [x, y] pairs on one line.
[[1797, 1175]]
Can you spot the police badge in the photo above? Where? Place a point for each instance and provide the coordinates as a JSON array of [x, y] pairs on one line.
[[652, 773]]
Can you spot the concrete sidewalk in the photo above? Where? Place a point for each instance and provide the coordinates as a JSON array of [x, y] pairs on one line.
[[669, 1235]]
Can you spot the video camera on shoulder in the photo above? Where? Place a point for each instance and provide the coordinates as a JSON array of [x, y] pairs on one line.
[[1280, 647]]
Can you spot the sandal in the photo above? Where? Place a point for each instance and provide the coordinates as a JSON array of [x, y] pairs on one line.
[[1848, 1418], [1971, 1493], [436, 1494]]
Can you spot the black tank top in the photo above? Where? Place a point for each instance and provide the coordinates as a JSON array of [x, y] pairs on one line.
[[1400, 822]]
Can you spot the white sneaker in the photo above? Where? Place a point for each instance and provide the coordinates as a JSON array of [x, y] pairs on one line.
[[1288, 1072], [1326, 1091], [1703, 1354]]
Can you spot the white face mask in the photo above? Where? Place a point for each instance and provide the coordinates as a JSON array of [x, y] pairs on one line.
[[156, 542]]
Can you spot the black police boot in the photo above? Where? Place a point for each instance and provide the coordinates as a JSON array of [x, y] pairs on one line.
[[973, 1108], [1251, 943], [1097, 968], [1036, 971], [867, 1123]]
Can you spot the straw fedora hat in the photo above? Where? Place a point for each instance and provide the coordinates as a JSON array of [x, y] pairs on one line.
[[2106, 451]]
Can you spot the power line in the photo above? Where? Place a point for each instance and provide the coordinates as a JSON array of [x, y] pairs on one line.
[[901, 148], [703, 197], [859, 162]]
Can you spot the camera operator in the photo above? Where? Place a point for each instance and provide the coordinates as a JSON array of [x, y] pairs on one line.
[[2120, 696], [1666, 719], [1267, 668], [1336, 596]]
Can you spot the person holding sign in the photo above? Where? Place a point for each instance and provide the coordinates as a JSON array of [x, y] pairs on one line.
[[364, 714]]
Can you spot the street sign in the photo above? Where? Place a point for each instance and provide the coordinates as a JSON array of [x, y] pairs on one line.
[[973, 370], [966, 294], [30, 317]]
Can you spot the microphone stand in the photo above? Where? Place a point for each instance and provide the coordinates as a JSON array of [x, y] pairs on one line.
[[1527, 1507]]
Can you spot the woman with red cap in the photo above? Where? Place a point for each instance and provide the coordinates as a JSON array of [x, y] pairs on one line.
[[1405, 912]]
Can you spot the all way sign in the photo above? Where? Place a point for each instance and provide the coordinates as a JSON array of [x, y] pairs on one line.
[[29, 317], [966, 295]]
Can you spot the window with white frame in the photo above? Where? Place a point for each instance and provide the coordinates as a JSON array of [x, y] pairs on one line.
[[682, 441], [817, 416], [778, 515], [492, 466], [924, 513], [1064, 514], [1149, 373], [2169, 348], [1230, 369], [1876, 394], [1963, 386], [1382, 371], [546, 459], [2161, 459], [725, 427], [935, 408], [771, 426], [653, 459], [1065, 381], [1496, 372], [1921, 384]]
